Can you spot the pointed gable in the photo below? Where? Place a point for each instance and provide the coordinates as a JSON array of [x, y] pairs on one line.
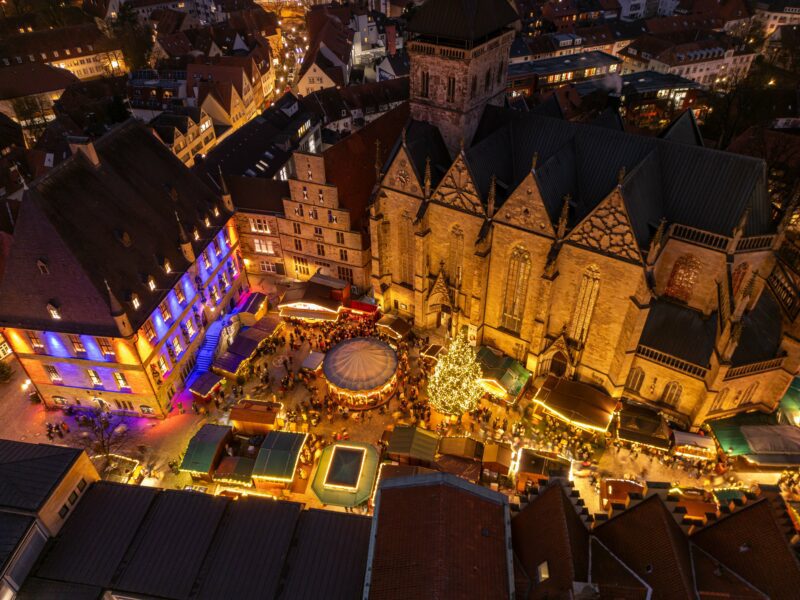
[[607, 229], [457, 189], [525, 209], [401, 174]]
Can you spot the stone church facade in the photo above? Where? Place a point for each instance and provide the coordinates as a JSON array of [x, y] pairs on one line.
[[652, 268]]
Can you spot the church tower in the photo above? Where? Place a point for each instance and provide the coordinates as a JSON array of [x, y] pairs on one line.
[[459, 58]]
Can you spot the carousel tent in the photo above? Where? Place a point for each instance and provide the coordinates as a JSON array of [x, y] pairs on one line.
[[577, 403], [346, 474], [360, 365], [413, 444], [205, 448], [278, 456]]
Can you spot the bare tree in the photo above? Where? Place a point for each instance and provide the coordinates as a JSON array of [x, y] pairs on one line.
[[107, 432]]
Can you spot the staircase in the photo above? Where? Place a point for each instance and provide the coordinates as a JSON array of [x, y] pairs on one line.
[[205, 355]]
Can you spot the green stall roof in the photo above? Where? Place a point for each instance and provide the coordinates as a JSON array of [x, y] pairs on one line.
[[414, 443], [346, 474], [277, 459], [204, 447]]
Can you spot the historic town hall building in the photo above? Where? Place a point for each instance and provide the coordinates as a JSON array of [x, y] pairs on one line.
[[653, 268]]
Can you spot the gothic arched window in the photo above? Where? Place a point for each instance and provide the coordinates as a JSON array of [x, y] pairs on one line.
[[738, 276], [672, 393], [683, 277], [454, 255], [747, 397], [405, 247], [719, 401], [635, 379], [519, 269], [584, 306]]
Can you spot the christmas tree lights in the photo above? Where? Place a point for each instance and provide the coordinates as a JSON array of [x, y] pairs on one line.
[[454, 387]]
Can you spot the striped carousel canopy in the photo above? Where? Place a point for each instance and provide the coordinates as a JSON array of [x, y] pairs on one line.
[[360, 364]]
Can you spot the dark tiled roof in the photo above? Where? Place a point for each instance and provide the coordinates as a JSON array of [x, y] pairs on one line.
[[13, 529], [761, 332], [165, 557], [328, 558], [752, 542], [714, 579], [255, 534], [684, 130], [680, 331], [649, 541], [549, 529], [33, 78], [438, 536], [702, 188], [30, 472], [461, 20], [424, 141], [350, 164], [44, 589], [258, 194], [93, 542], [613, 577], [85, 246]]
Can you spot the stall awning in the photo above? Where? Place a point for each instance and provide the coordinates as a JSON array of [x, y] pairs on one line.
[[502, 375], [642, 425], [243, 346], [308, 315], [394, 326], [461, 446], [579, 404], [228, 362], [693, 442], [432, 351], [278, 456], [534, 463], [253, 303], [204, 447], [413, 442], [313, 361], [262, 413], [497, 454], [236, 470], [203, 385], [268, 324]]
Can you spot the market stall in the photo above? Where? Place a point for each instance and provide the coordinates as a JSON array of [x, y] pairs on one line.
[[503, 377], [394, 327], [205, 449], [346, 474], [254, 417], [277, 459], [252, 307], [693, 445], [576, 403], [204, 386], [361, 372], [497, 459], [640, 424], [235, 470], [534, 468], [431, 352], [412, 445]]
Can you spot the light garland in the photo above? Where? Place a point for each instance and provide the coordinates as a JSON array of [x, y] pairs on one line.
[[455, 388]]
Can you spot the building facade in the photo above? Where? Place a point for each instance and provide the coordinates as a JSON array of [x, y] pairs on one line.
[[590, 254], [117, 300]]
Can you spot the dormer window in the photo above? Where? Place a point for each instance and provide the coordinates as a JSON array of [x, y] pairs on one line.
[[206, 261], [135, 301], [179, 295], [167, 267], [42, 266], [196, 234], [216, 211], [207, 222], [55, 312], [151, 283]]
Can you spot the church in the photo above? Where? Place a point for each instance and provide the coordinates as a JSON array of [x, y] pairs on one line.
[[654, 269]]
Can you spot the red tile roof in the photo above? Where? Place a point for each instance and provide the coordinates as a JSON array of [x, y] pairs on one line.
[[439, 537], [350, 164]]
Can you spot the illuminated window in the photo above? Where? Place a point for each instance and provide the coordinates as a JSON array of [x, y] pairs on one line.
[[196, 234], [190, 328], [224, 278], [207, 221], [105, 346], [584, 305], [167, 267], [301, 265], [135, 301], [55, 312], [53, 374], [179, 295], [299, 210], [122, 383], [162, 365], [94, 378], [635, 379], [151, 283], [543, 572], [258, 225], [77, 344], [146, 410], [206, 260], [672, 393], [215, 294], [148, 330], [176, 346], [683, 277], [36, 342], [163, 308], [217, 248], [216, 211], [519, 269]]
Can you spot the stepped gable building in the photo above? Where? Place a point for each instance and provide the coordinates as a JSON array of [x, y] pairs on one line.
[[122, 258], [641, 266]]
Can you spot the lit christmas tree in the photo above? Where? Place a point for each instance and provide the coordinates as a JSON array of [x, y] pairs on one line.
[[454, 387]]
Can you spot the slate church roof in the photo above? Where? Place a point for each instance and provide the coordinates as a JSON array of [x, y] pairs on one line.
[[470, 21], [115, 222]]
